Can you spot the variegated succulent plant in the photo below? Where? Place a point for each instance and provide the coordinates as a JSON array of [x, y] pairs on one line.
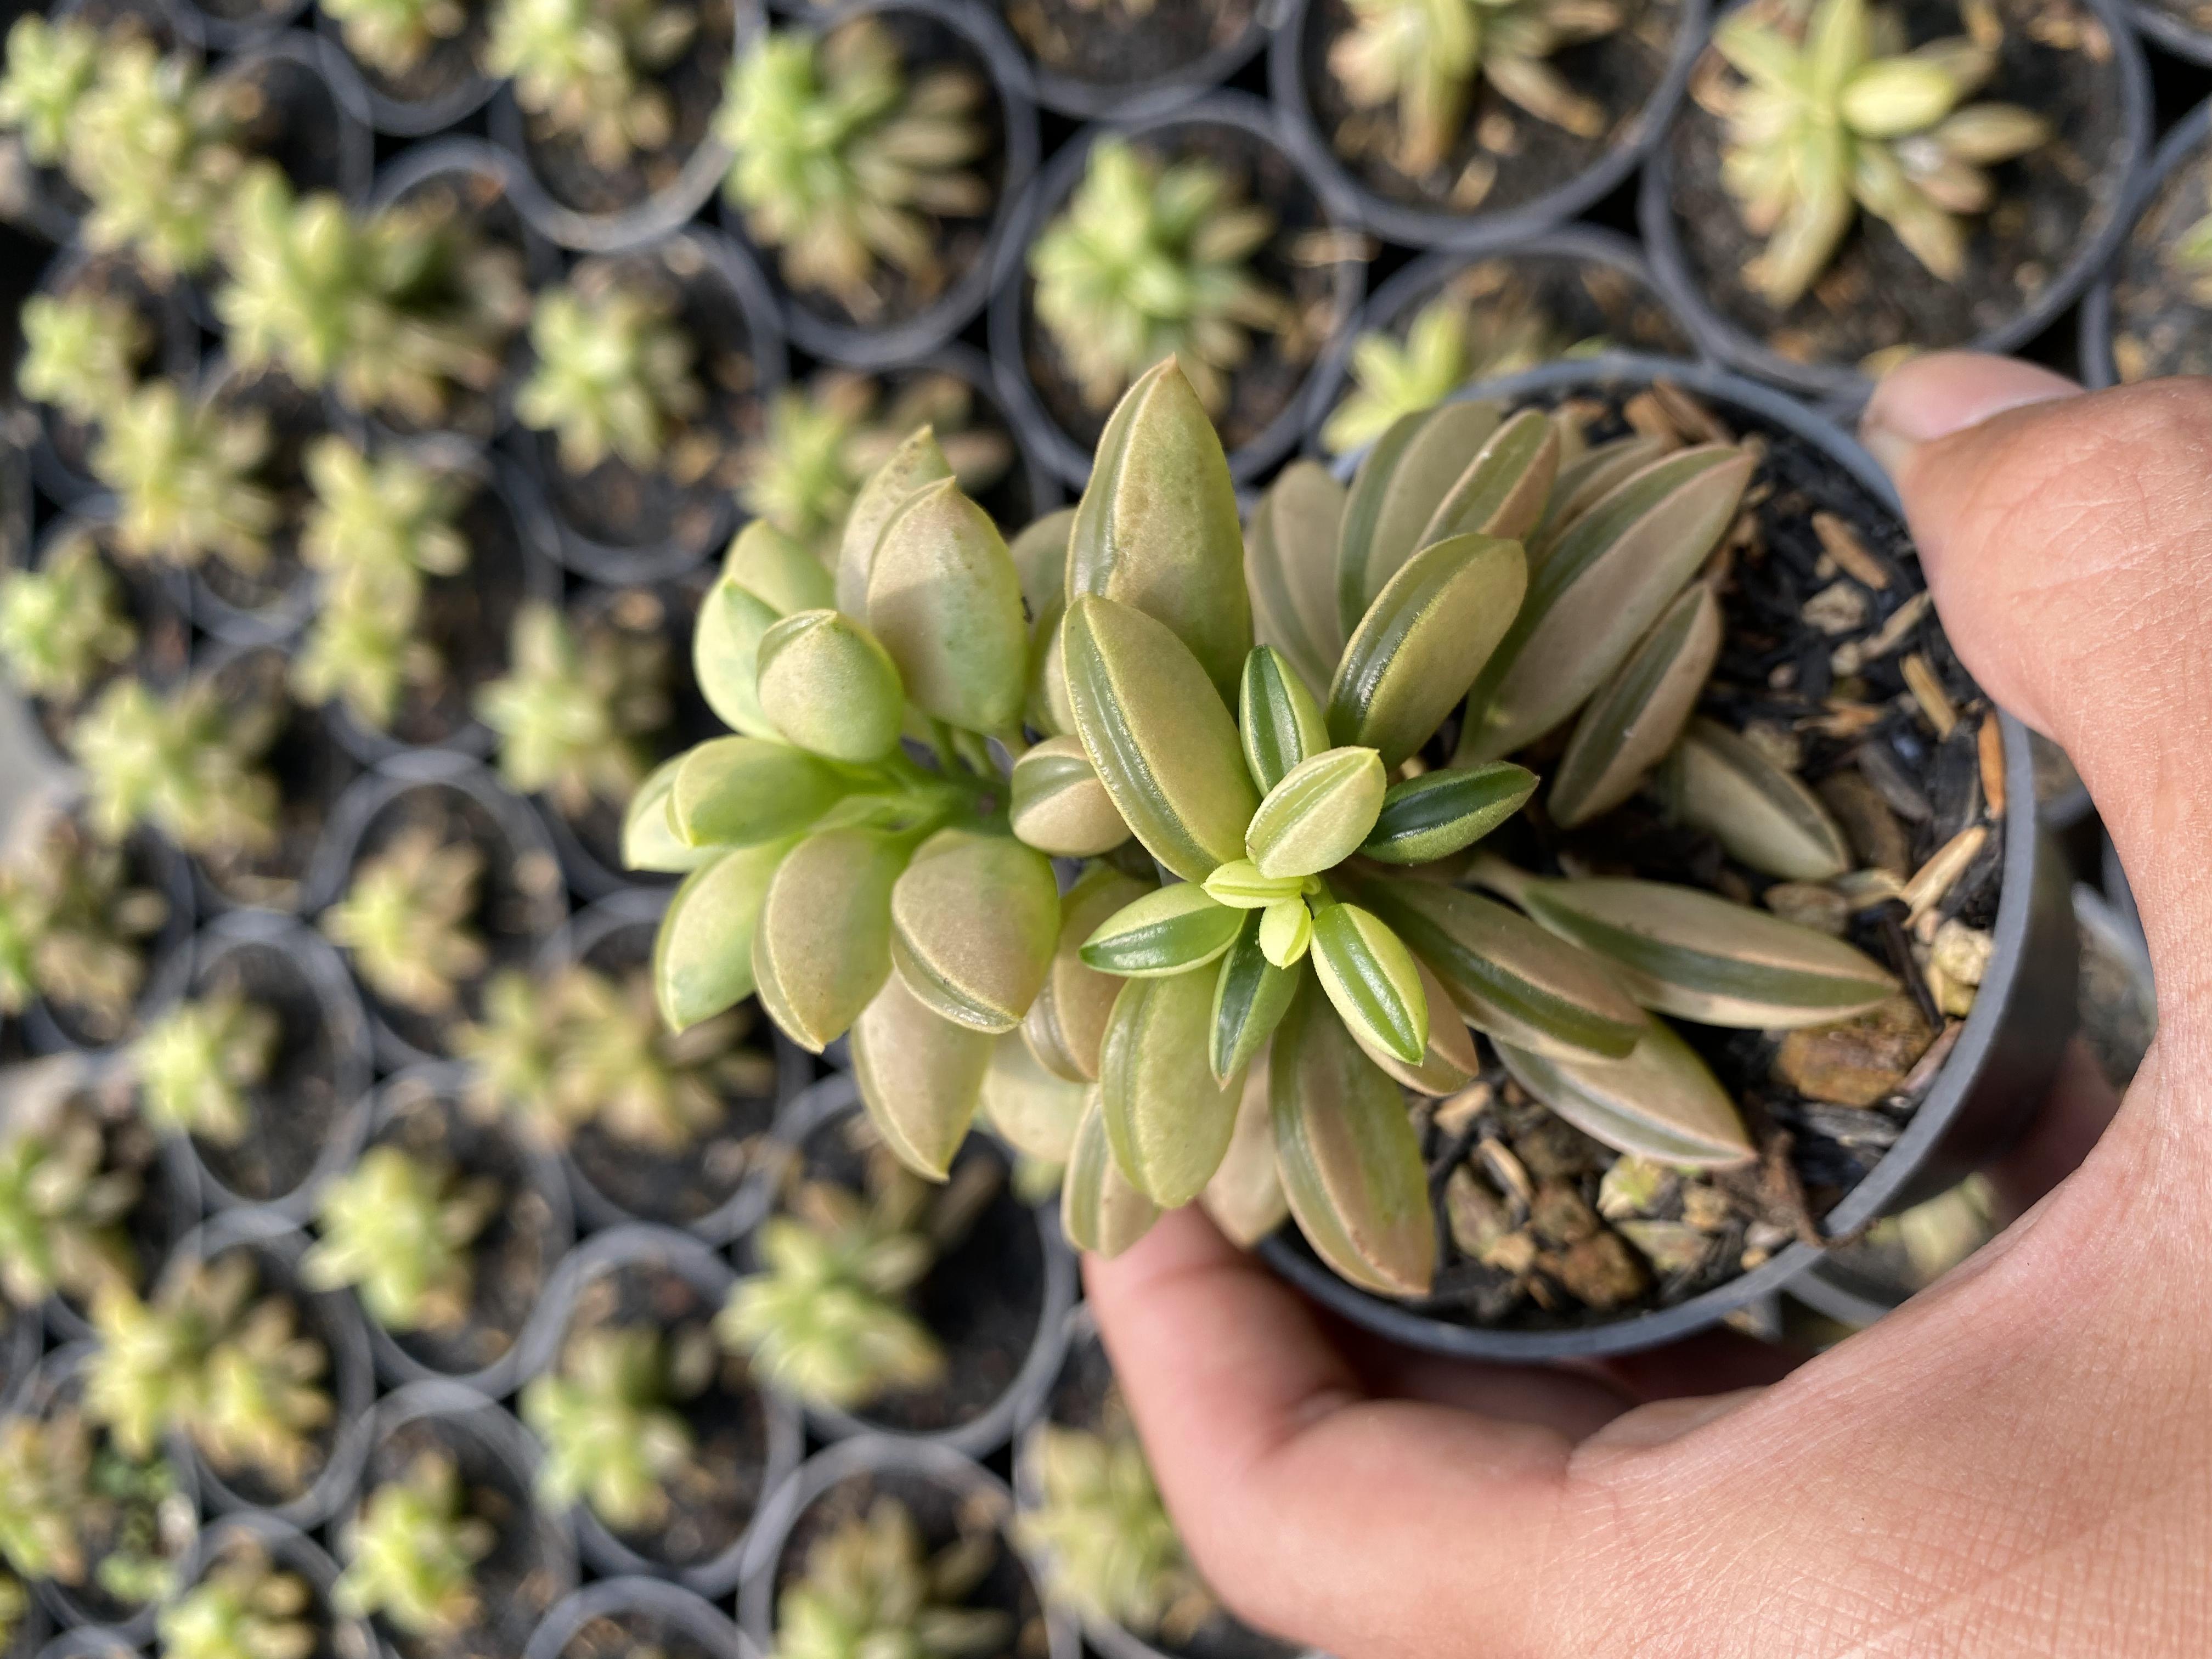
[[1151, 261], [1426, 57], [405, 920], [586, 69], [840, 165], [50, 67], [45, 1473], [81, 352], [73, 928], [62, 624], [411, 1555], [396, 1228], [61, 1214], [614, 375], [1451, 343], [197, 1063], [245, 1607], [869, 1587], [183, 474], [395, 36], [1835, 114], [1108, 1548], [152, 145], [612, 1439], [183, 761], [574, 707]]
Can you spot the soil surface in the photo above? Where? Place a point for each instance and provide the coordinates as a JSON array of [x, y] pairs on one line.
[[149, 866], [286, 112], [166, 340], [141, 1515], [314, 1320], [1126, 43], [310, 770], [293, 418], [150, 600], [439, 73], [160, 1216], [2162, 313]]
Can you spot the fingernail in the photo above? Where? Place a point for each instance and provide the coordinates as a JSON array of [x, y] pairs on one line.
[[1925, 398]]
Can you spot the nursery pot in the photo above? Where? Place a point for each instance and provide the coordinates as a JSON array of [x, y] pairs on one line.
[[290, 1550], [641, 1614], [937, 1485], [700, 1278], [1299, 79], [993, 1248], [422, 1111], [2166, 29], [1252, 134], [442, 90], [1986, 1091], [229, 26], [2072, 239], [2134, 301], [1126, 69], [315, 122]]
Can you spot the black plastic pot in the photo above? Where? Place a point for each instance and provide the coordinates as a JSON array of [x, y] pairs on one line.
[[2150, 198], [227, 30], [662, 1249], [1016, 335], [1987, 1090], [86, 1642], [17, 435], [519, 885], [292, 1550], [1296, 57], [654, 1605], [819, 326], [836, 1098], [315, 97], [23, 1344], [1065, 91], [939, 1485], [2091, 244], [429, 1104], [534, 1566], [33, 1633], [329, 1318], [457, 88], [2162, 28], [615, 936], [1392, 306]]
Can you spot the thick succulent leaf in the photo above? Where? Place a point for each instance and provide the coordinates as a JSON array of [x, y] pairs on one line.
[[944, 602], [1509, 976], [823, 946], [1598, 590], [1318, 814], [826, 685], [1277, 718], [1759, 813], [1660, 1102], [1285, 932], [649, 837], [1503, 490], [975, 919], [1346, 1151], [1169, 932], [1156, 529], [1046, 706], [1168, 1118], [1099, 1210], [1065, 1024], [915, 463], [1161, 739], [1628, 728], [735, 791], [726, 655], [1698, 957], [1371, 977], [1250, 994], [1395, 493], [1036, 1111], [1040, 557], [781, 573], [702, 956], [1587, 479], [1060, 806], [921, 1077], [1422, 642], [1243, 887], [1290, 562], [1245, 1197], [1442, 812], [1449, 1062]]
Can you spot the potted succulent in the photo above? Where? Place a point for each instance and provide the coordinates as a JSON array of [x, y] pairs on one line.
[[618, 1616], [259, 1588], [884, 1543], [259, 1075], [420, 61], [1470, 126], [1982, 162], [609, 106], [1103, 59], [884, 1304], [447, 1550], [647, 376], [873, 164], [2146, 317], [50, 65], [2179, 27], [229, 25], [1198, 233], [661, 1440]]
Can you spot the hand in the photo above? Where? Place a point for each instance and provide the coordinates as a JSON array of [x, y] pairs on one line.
[[2019, 1462]]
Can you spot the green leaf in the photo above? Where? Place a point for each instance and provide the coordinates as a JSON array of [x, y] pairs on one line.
[[1396, 491], [1285, 932], [1369, 976], [1099, 1210], [823, 944], [1241, 886], [1168, 931], [1442, 812], [1448, 1063], [975, 919], [1318, 814], [1660, 1102], [827, 685], [736, 792], [1161, 740], [946, 605], [778, 572], [1764, 817], [1250, 994], [1060, 806], [1040, 557], [1277, 718], [1508, 976], [1168, 1119], [1065, 1024], [1245, 1197], [1346, 1154], [702, 956], [915, 465], [1290, 560], [649, 838], [1046, 705], [1629, 725], [726, 656], [1156, 529], [1505, 488], [921, 1077], [1598, 590], [1034, 1110], [1588, 479], [1422, 642]]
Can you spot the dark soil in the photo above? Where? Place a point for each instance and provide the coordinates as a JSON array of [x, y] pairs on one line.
[[163, 652], [167, 342], [243, 11], [243, 1548], [1585, 301], [294, 419], [2160, 326], [129, 1520], [148, 866], [632, 1632], [512, 1260], [1115, 44], [310, 770], [1504, 157], [286, 112], [439, 73], [313, 1319], [160, 1216], [1291, 262], [1876, 296]]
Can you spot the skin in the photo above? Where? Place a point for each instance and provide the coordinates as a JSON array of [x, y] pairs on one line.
[[2017, 1463]]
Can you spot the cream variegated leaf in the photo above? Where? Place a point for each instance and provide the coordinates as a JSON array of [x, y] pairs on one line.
[[1036, 1111], [1660, 1103], [1277, 718], [975, 920], [1245, 1197], [916, 463], [823, 946], [1764, 816], [1503, 490], [1449, 1062], [1172, 931], [945, 601], [649, 839], [921, 1077], [1060, 806], [1250, 994], [826, 685], [1318, 814], [1100, 1212], [1405, 478], [1372, 979], [736, 792], [1628, 728], [702, 956], [1438, 813], [1290, 562], [1168, 1118], [1067, 1022]]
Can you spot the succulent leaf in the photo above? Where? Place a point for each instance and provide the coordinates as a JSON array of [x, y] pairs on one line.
[[703, 957], [1035, 1110], [1241, 886], [1289, 565], [828, 685], [739, 792], [1060, 806], [649, 839], [913, 466], [1448, 1063], [1065, 1024], [1245, 1197], [1396, 492], [975, 919], [921, 1077], [1659, 1102], [1628, 728], [1171, 931], [1505, 488], [1168, 1118], [1250, 995], [946, 603], [1764, 816], [1372, 978], [1101, 1210], [1435, 814], [1318, 814], [1277, 720], [822, 947]]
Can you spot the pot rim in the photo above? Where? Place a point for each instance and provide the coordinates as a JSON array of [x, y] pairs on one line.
[[1079, 100], [698, 1617], [415, 117], [2184, 140]]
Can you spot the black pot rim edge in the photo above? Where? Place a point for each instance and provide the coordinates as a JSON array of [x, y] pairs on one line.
[[2097, 369]]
